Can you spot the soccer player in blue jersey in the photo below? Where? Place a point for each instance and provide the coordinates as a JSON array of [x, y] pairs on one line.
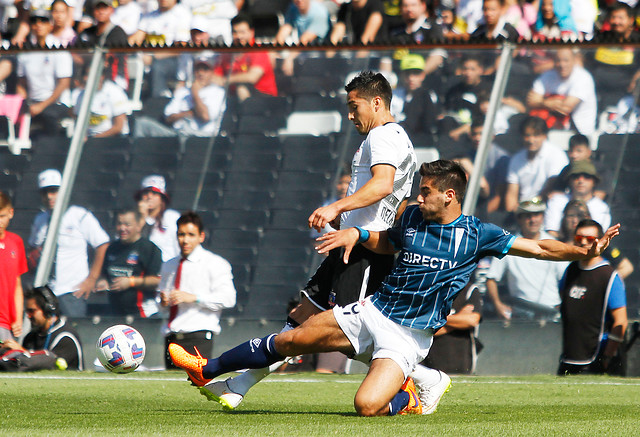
[[439, 250]]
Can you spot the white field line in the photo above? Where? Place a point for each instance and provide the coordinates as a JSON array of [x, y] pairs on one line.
[[277, 379]]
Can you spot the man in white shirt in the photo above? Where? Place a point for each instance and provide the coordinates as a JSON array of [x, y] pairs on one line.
[[73, 278], [532, 283], [196, 286], [567, 93], [531, 168]]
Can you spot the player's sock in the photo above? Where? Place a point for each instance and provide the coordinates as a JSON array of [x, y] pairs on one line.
[[399, 401], [253, 354], [242, 383], [424, 376]]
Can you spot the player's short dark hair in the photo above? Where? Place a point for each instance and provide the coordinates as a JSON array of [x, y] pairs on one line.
[[5, 200], [370, 85], [445, 175], [588, 223], [130, 210], [538, 125], [242, 18], [193, 218], [620, 6], [578, 140]]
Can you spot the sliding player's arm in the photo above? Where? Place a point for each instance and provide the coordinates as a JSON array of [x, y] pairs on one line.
[[377, 242]]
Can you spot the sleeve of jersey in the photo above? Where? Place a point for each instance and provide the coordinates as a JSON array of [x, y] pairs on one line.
[[617, 295], [383, 148], [493, 240]]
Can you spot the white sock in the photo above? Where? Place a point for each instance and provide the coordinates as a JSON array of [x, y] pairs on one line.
[[425, 376], [242, 383]]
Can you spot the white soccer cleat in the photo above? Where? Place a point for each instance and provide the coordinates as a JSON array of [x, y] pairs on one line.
[[430, 395], [220, 392]]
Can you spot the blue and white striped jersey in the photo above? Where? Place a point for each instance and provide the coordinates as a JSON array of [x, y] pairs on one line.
[[435, 263]]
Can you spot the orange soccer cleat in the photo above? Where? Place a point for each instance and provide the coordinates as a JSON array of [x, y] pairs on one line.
[[191, 364]]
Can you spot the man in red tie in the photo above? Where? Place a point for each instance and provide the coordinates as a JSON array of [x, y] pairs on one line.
[[196, 286]]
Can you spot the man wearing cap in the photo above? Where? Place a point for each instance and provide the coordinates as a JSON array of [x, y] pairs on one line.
[[413, 105], [161, 226], [532, 283], [582, 178], [44, 77], [195, 110], [249, 73], [72, 278]]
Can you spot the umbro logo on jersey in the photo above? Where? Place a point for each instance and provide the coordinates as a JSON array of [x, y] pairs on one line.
[[409, 232], [255, 344]]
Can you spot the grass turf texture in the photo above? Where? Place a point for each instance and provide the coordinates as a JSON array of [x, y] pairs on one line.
[[60, 403]]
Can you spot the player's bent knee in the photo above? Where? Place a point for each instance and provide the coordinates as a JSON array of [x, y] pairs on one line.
[[369, 407]]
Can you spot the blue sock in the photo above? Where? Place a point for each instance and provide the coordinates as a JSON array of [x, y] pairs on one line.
[[399, 401], [253, 354]]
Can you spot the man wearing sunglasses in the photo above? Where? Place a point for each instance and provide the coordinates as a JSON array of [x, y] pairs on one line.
[[594, 311]]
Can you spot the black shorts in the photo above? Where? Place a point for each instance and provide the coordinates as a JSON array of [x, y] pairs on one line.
[[337, 283]]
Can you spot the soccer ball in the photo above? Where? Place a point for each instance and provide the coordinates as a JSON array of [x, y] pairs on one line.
[[120, 349]]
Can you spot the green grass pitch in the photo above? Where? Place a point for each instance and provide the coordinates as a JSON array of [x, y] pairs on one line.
[[163, 403]]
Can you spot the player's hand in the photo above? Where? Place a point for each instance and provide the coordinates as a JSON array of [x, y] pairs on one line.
[[85, 288], [323, 215], [16, 328], [120, 283], [503, 311], [346, 238], [601, 244]]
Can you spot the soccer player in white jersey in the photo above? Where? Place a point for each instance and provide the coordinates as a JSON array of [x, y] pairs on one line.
[[382, 174], [439, 250]]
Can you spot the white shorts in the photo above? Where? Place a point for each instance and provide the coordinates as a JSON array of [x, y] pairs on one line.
[[374, 335]]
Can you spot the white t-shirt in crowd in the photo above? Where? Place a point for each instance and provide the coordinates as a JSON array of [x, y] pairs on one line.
[[42, 69], [166, 237], [127, 17], [213, 96], [167, 27], [598, 210], [387, 144], [108, 102], [218, 15]]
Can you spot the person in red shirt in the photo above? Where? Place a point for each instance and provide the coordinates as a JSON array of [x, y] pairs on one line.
[[249, 73], [13, 264]]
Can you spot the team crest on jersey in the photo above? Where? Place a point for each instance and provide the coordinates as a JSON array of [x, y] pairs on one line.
[[133, 258], [577, 292]]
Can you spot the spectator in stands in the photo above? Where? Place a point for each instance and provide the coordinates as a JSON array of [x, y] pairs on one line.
[[580, 150], [594, 312], [160, 227], [461, 100], [73, 279], [195, 110], [109, 109], [169, 24], [196, 285], [106, 33], [10, 34], [52, 343], [358, 21], [127, 16], [414, 105], [582, 178], [217, 15], [60, 17], [584, 14], [455, 347], [131, 270], [309, 18], [420, 27], [532, 283], [392, 18], [44, 77], [531, 168], [247, 74], [522, 15], [576, 211], [493, 25], [13, 264], [565, 96], [555, 21]]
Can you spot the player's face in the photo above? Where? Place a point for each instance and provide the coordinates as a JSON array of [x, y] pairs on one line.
[[189, 237], [432, 201], [532, 139], [362, 112], [242, 34], [530, 223], [585, 236], [49, 197], [128, 228], [6, 214], [35, 314]]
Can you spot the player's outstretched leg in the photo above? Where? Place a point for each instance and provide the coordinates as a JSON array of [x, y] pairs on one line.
[[432, 384], [253, 354]]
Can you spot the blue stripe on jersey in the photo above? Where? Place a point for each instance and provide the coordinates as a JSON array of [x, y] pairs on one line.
[[435, 263]]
